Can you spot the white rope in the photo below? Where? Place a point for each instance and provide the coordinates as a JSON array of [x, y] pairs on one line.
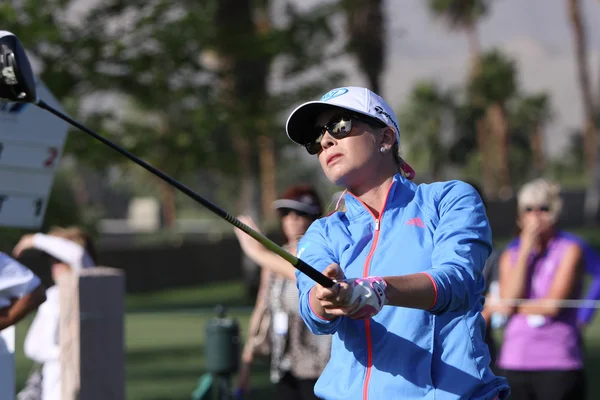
[[566, 303]]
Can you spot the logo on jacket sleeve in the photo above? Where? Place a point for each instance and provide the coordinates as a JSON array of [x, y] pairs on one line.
[[301, 250]]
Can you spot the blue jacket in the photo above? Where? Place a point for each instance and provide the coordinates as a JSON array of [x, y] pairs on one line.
[[440, 229]]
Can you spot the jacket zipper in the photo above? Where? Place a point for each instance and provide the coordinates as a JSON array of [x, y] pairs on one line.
[[366, 274]]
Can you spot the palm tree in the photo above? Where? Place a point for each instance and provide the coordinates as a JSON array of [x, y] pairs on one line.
[[590, 129], [463, 15], [366, 29], [426, 118], [495, 85], [532, 113], [585, 84]]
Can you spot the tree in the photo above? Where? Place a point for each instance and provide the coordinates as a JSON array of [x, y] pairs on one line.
[[585, 84], [494, 86], [197, 78], [463, 15], [366, 29], [190, 80], [530, 116], [591, 111], [426, 118]]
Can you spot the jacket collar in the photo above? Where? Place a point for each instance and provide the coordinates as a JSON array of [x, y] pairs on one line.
[[355, 208]]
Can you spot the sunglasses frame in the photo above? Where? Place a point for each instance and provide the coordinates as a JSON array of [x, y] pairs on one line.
[[315, 147], [282, 212], [542, 208]]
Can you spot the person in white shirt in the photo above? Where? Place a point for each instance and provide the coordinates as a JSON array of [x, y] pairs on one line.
[[21, 291], [70, 251]]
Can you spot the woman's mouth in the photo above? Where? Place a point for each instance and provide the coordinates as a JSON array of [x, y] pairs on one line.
[[333, 158]]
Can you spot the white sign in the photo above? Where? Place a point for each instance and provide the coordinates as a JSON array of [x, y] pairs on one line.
[[31, 145]]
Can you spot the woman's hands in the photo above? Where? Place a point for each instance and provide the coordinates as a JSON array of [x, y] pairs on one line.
[[356, 298], [530, 233], [335, 301]]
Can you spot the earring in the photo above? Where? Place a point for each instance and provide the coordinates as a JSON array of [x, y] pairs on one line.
[[382, 150]]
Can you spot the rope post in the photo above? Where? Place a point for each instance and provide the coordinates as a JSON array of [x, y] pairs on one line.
[[91, 334]]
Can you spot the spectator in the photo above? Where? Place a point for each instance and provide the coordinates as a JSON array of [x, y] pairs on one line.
[[297, 355], [70, 250], [541, 354]]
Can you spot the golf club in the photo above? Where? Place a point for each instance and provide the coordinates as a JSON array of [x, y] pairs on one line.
[[17, 84]]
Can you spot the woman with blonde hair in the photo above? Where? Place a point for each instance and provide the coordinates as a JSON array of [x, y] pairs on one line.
[[541, 354], [405, 312]]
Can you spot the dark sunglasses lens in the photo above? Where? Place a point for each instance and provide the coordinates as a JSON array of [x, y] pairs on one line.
[[341, 128], [286, 211], [338, 127], [313, 148], [540, 208]]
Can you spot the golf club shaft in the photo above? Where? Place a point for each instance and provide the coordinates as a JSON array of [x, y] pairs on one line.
[[269, 244]]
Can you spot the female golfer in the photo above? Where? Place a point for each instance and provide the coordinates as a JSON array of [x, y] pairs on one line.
[[406, 310]]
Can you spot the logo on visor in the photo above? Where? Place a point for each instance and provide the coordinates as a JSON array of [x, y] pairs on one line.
[[380, 110], [333, 94]]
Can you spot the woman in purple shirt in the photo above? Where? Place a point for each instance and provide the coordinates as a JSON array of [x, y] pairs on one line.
[[541, 354]]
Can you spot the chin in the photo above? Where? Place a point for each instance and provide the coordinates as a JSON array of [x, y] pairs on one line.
[[345, 179], [337, 176], [336, 179]]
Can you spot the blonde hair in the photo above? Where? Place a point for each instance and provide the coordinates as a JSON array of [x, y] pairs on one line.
[[540, 192]]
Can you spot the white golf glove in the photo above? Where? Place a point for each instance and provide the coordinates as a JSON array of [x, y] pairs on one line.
[[368, 296]]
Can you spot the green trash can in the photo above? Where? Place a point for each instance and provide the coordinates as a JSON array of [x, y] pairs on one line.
[[222, 344]]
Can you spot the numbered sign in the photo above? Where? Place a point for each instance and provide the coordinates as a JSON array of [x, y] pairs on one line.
[[31, 145]]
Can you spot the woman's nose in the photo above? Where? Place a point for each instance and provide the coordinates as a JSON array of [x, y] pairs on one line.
[[327, 141]]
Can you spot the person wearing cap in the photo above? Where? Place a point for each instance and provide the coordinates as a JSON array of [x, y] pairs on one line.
[[69, 250], [407, 259], [297, 355]]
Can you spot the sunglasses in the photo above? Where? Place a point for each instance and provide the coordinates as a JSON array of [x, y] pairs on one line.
[[283, 212], [339, 127], [542, 208]]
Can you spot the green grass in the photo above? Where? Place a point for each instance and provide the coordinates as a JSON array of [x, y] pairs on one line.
[[164, 355], [229, 294], [165, 340]]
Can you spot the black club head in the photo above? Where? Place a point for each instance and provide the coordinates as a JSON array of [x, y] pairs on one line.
[[17, 83]]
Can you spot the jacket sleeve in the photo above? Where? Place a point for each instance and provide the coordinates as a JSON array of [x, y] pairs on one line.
[[16, 280], [63, 249], [314, 250], [462, 244]]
